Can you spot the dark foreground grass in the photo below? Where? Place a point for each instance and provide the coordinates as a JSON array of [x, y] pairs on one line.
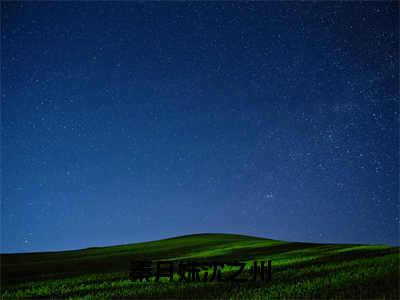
[[299, 270]]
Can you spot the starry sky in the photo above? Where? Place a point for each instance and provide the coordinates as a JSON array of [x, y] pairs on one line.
[[129, 121]]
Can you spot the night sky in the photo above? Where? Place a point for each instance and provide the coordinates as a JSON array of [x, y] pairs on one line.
[[125, 122]]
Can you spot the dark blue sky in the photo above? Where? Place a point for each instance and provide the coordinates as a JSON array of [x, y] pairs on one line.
[[125, 122]]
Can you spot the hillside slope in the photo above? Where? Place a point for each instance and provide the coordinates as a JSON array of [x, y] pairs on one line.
[[299, 270]]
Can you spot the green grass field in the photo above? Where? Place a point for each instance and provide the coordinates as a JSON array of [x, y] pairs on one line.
[[299, 270]]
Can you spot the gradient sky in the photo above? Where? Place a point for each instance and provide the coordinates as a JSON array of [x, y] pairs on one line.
[[125, 122]]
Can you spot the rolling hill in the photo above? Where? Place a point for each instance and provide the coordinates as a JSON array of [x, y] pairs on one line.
[[299, 270]]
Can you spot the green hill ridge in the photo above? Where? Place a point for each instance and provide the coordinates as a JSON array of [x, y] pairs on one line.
[[299, 270]]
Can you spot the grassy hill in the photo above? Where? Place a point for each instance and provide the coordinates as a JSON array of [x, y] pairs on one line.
[[299, 270]]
